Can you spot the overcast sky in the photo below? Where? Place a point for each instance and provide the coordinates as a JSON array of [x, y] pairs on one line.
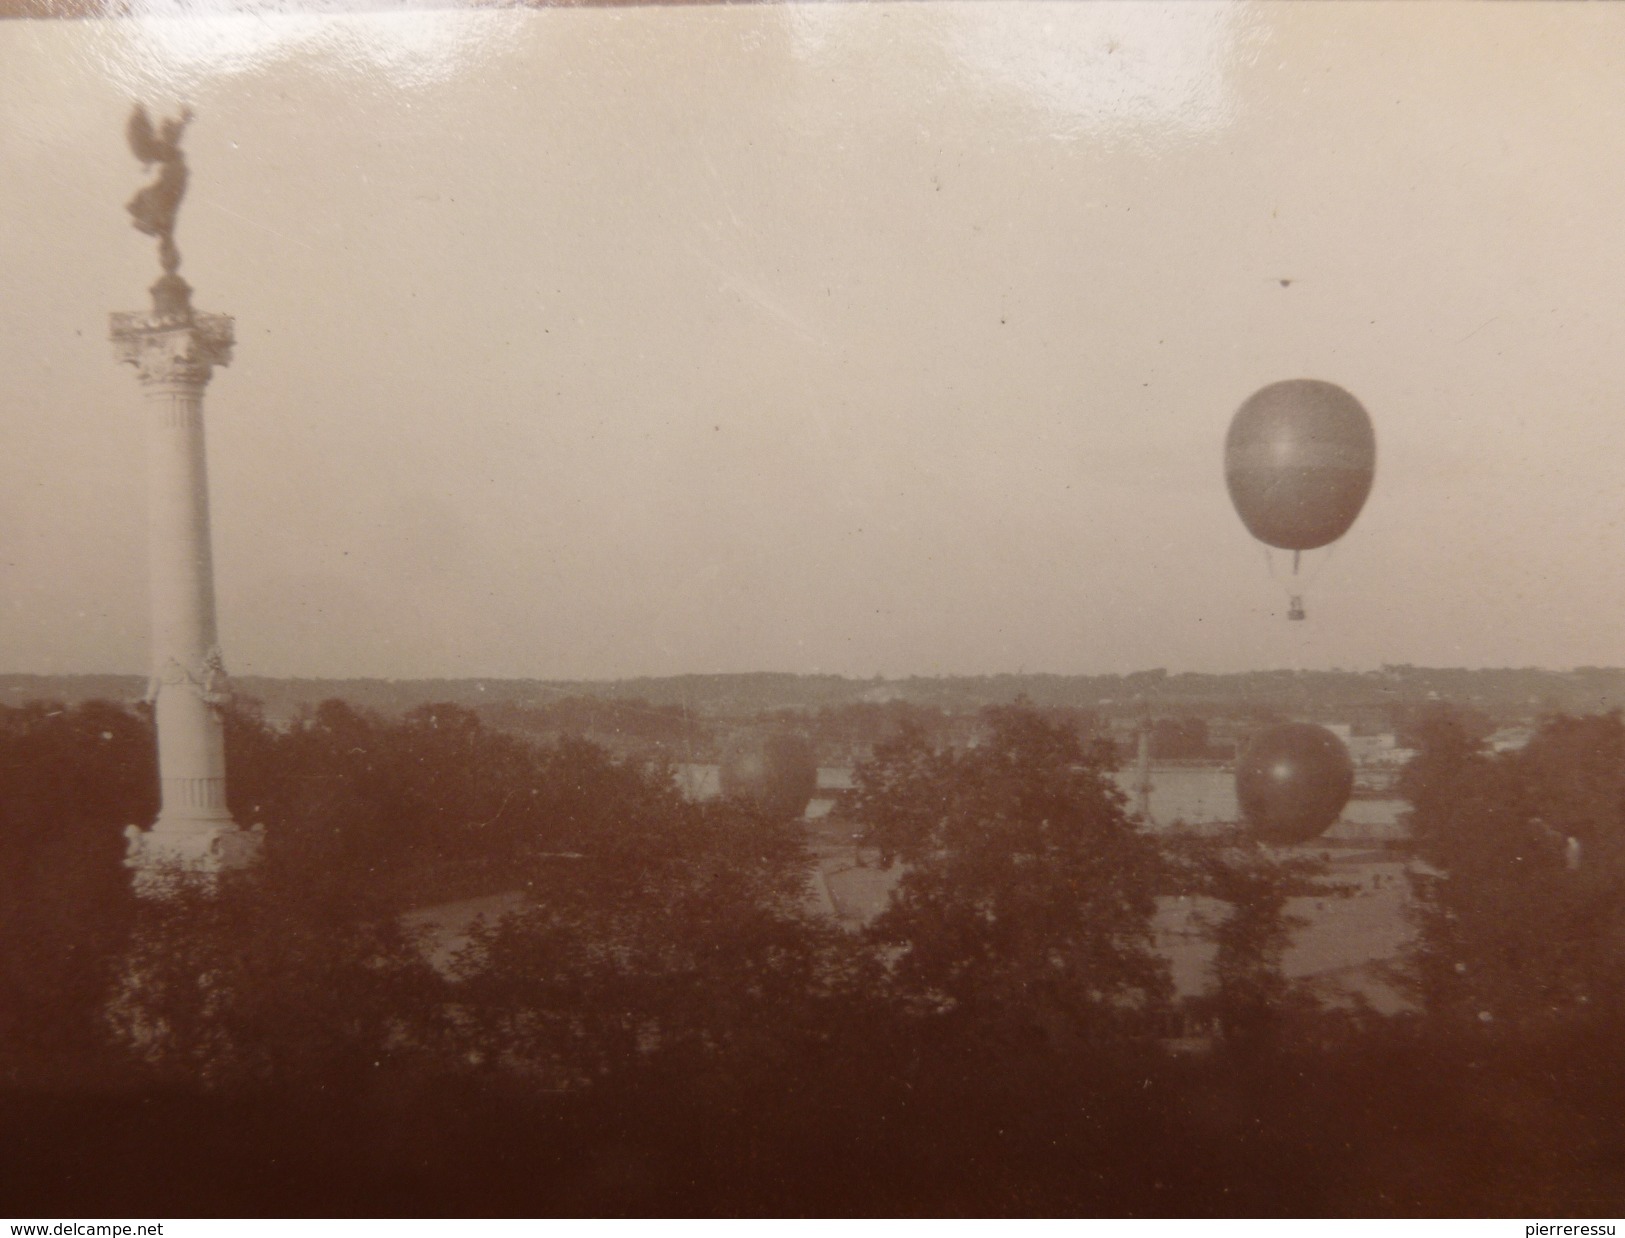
[[847, 338]]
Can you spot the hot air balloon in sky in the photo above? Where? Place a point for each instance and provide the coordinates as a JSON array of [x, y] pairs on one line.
[[1292, 782], [1299, 460]]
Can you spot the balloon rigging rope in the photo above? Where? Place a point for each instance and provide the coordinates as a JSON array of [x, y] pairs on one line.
[[1315, 569], [1297, 580]]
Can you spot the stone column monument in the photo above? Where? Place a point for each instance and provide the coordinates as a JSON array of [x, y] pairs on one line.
[[174, 350]]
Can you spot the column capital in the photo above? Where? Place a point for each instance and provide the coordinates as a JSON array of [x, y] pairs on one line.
[[172, 348]]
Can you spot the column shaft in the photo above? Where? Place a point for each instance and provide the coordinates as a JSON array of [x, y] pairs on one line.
[[185, 654]]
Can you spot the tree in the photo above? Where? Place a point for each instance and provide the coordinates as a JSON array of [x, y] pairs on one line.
[[71, 780], [1439, 726], [778, 772], [1025, 906], [260, 980], [299, 972], [428, 808], [330, 791], [1253, 1000], [675, 936], [1521, 915]]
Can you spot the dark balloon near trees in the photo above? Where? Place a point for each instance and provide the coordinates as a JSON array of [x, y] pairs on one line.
[[779, 773], [1299, 461], [1292, 782]]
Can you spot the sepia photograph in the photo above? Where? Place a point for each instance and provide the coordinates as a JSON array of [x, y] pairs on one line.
[[877, 608]]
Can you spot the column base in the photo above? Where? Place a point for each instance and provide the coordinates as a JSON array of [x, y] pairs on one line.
[[164, 856]]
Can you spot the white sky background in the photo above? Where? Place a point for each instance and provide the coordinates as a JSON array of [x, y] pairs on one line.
[[852, 338]]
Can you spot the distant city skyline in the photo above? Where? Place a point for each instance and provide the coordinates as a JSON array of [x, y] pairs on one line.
[[870, 339]]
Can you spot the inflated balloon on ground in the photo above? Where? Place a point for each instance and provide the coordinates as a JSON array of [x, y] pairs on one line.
[[1292, 782]]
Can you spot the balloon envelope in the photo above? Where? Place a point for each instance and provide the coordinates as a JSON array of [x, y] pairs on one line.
[[1299, 460], [1292, 782], [778, 772]]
